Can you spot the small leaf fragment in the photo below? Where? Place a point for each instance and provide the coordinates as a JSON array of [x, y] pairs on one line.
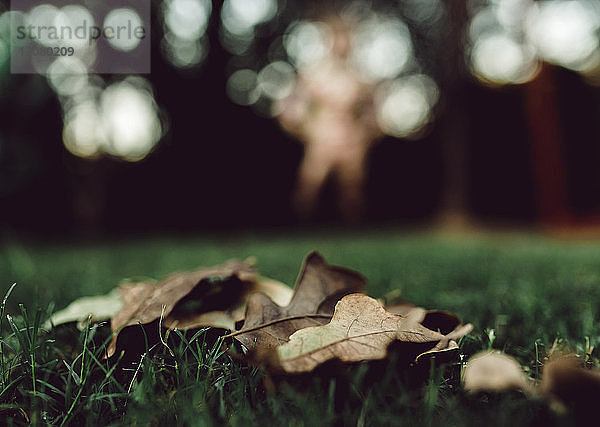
[[101, 307], [494, 371]]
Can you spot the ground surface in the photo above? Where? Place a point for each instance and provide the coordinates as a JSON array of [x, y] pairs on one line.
[[529, 289]]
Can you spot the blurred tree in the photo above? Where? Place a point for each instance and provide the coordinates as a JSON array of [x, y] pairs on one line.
[[520, 42], [453, 78]]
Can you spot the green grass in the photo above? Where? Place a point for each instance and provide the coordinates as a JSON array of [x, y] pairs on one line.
[[529, 290]]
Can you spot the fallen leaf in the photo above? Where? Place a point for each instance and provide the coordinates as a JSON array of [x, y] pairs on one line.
[[98, 308], [208, 289], [319, 287], [444, 322], [226, 319], [437, 320], [360, 329], [494, 371], [568, 384]]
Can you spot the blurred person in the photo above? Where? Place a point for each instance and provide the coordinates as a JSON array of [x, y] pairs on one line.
[[331, 111]]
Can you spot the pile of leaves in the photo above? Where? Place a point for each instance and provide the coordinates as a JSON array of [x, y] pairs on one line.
[[324, 324], [326, 318]]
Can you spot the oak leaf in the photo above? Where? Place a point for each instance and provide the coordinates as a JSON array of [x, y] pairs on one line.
[[280, 293], [442, 321], [204, 290], [360, 329], [96, 308], [318, 288]]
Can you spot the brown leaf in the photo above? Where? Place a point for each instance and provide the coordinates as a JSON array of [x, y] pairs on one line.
[[437, 320], [203, 290], [96, 308], [494, 371], [568, 383], [318, 289], [445, 322], [403, 308], [226, 319], [360, 329]]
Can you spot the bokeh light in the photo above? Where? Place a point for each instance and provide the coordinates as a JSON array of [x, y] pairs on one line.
[[40, 18], [239, 19], [82, 134], [564, 32], [498, 51], [240, 16], [242, 87], [382, 48], [4, 39], [4, 52], [187, 19], [359, 47], [12, 18], [276, 80], [404, 106], [307, 43], [185, 44], [130, 119], [498, 58], [510, 13], [508, 38], [123, 17], [67, 76], [73, 16], [183, 53], [121, 120]]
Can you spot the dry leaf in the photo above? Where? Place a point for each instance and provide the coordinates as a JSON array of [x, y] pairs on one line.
[[494, 371], [98, 308], [360, 329], [444, 322], [404, 308], [568, 383], [226, 319], [318, 289], [208, 289]]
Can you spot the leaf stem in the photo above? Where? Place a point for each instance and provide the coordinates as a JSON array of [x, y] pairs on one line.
[[273, 322]]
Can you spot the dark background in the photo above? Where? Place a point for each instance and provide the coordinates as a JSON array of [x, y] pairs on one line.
[[221, 165]]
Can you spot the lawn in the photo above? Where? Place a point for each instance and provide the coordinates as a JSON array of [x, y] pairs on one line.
[[522, 292]]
